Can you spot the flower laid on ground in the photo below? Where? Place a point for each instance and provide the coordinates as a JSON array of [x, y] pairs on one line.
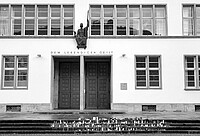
[[97, 124]]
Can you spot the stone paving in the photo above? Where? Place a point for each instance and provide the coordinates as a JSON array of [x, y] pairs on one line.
[[99, 134], [75, 115]]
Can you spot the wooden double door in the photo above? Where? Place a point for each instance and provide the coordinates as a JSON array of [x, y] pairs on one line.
[[97, 85], [69, 85]]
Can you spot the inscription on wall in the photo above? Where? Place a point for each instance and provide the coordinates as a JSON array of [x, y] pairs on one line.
[[81, 52]]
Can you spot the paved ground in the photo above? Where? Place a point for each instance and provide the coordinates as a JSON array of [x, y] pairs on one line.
[[75, 115], [99, 134]]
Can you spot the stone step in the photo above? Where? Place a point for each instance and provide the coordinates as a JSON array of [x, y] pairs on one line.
[[45, 126]]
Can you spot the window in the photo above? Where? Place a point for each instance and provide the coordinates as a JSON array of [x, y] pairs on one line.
[[42, 19], [128, 20], [191, 20], [148, 71], [95, 20], [16, 14], [192, 70], [29, 19], [121, 20], [4, 20], [68, 20], [36, 20], [15, 72], [108, 20], [55, 20], [134, 20]]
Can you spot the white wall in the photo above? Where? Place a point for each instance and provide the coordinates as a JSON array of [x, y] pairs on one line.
[[171, 51]]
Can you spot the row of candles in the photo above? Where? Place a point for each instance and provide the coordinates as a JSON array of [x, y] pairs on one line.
[[98, 124]]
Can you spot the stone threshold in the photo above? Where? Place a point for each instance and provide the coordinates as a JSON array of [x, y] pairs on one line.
[[80, 112]]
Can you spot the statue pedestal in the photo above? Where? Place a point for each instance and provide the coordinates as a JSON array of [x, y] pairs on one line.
[[81, 46]]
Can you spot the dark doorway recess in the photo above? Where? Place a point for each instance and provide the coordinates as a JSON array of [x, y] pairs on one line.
[[97, 82]]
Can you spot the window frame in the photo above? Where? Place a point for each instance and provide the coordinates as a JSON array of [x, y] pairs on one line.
[[29, 18], [15, 69], [196, 70], [128, 19], [194, 18], [147, 70], [42, 18], [23, 18], [55, 18], [16, 18], [8, 18]]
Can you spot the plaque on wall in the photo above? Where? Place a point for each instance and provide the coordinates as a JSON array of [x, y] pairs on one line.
[[123, 86]]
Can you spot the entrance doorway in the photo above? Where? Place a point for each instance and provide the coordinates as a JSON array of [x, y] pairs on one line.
[[69, 85], [89, 89], [97, 83]]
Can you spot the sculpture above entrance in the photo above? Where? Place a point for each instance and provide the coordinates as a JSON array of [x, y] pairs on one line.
[[81, 36]]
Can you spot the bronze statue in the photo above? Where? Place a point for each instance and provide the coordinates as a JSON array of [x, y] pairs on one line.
[[81, 36]]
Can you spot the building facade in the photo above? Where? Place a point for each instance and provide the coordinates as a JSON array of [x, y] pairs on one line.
[[140, 55]]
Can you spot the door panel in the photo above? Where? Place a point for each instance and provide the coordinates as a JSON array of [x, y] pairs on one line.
[[69, 86], [97, 85]]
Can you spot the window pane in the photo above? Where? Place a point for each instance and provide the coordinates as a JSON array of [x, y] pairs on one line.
[[42, 11], [108, 27], [22, 78], [4, 22], [134, 27], [55, 27], [108, 11], [55, 11], [187, 11], [16, 26], [9, 62], [29, 26], [147, 12], [29, 11], [160, 27], [68, 11], [141, 78], [199, 62], [153, 72], [68, 27], [121, 11], [42, 26], [95, 11], [22, 62], [188, 27], [9, 72], [190, 77], [8, 83], [160, 12], [121, 27], [95, 27], [140, 62], [198, 11], [141, 72], [147, 26], [198, 27], [134, 12], [16, 11], [154, 77], [153, 62], [190, 62]]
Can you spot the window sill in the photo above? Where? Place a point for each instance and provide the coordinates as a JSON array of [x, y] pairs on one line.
[[148, 88], [14, 89], [191, 89], [143, 37], [36, 37]]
